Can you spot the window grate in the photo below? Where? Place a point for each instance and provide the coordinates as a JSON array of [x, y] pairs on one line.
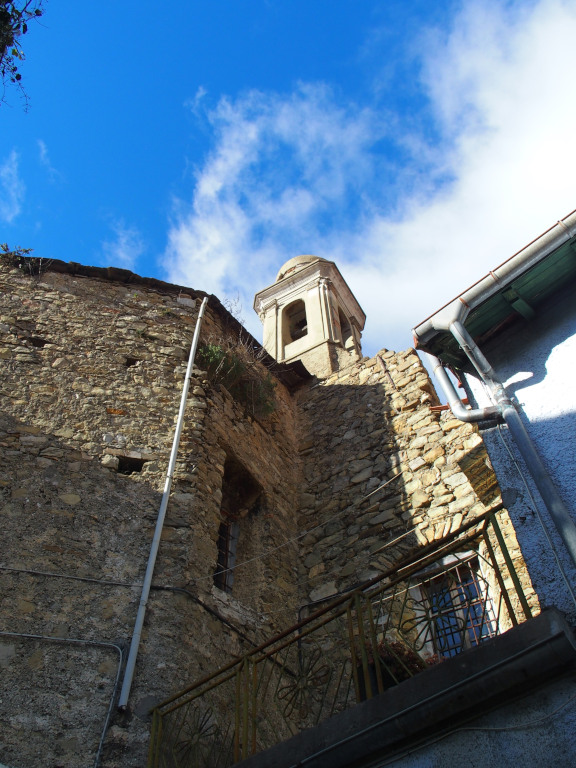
[[460, 609], [227, 546]]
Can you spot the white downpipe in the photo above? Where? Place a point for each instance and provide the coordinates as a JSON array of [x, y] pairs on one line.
[[557, 509], [135, 643], [456, 405]]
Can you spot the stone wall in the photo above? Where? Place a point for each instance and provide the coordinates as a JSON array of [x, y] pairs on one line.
[[385, 470], [351, 472], [92, 371]]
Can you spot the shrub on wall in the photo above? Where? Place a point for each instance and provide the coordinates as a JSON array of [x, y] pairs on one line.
[[237, 372], [20, 258]]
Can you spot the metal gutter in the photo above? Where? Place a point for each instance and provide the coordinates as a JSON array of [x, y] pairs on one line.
[[495, 280]]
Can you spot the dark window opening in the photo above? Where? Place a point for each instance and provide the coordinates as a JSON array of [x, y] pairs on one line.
[[295, 320], [241, 495], [227, 548], [461, 614], [127, 465], [130, 361], [345, 330]]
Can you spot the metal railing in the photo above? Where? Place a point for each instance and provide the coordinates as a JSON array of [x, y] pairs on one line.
[[444, 598]]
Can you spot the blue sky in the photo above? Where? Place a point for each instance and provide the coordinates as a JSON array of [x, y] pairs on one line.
[[416, 143]]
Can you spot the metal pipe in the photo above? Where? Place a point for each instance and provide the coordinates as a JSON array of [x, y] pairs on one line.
[[456, 405], [479, 361], [555, 505], [97, 644], [135, 643]]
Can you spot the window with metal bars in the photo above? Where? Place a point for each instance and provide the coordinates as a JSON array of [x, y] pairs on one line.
[[227, 548], [240, 497], [459, 608]]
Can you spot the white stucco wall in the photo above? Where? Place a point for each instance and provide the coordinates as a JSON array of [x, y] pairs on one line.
[[535, 731], [536, 361]]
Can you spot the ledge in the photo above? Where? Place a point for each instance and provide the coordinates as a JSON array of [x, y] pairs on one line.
[[435, 701]]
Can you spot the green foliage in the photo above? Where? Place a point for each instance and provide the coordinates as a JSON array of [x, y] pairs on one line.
[[223, 367], [257, 394], [14, 18], [233, 369], [14, 257], [20, 258]]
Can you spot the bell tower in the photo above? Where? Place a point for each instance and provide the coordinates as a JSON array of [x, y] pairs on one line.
[[310, 314]]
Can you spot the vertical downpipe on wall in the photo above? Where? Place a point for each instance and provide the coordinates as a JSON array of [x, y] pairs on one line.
[[137, 632], [556, 507]]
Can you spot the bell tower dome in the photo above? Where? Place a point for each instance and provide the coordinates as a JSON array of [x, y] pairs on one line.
[[310, 314]]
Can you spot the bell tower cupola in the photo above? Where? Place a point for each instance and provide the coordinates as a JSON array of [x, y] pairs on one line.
[[310, 314]]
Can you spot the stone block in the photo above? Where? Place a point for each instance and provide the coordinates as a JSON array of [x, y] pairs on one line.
[[362, 476], [420, 499], [323, 591], [454, 480], [71, 499], [451, 424], [434, 453]]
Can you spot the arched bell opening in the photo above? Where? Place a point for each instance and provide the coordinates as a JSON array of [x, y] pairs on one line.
[[294, 322], [346, 333]]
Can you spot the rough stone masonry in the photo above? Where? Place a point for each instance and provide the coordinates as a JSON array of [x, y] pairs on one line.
[[342, 476]]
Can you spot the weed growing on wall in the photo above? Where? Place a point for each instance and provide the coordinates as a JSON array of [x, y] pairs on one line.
[[236, 370], [20, 258]]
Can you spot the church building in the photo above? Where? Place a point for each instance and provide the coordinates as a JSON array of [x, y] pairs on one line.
[[331, 531]]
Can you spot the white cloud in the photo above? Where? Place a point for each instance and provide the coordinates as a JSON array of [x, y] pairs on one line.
[[45, 161], [302, 173], [280, 165], [499, 86], [126, 247], [195, 104], [12, 188]]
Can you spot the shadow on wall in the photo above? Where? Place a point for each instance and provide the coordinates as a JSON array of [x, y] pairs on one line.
[[537, 360], [354, 502], [542, 548], [74, 537]]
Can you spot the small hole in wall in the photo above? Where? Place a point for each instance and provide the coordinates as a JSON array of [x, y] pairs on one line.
[[130, 361], [128, 465], [36, 341]]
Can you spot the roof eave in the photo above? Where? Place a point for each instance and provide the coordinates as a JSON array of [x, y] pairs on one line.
[[459, 308]]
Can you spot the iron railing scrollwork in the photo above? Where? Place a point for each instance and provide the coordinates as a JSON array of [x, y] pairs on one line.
[[442, 599]]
